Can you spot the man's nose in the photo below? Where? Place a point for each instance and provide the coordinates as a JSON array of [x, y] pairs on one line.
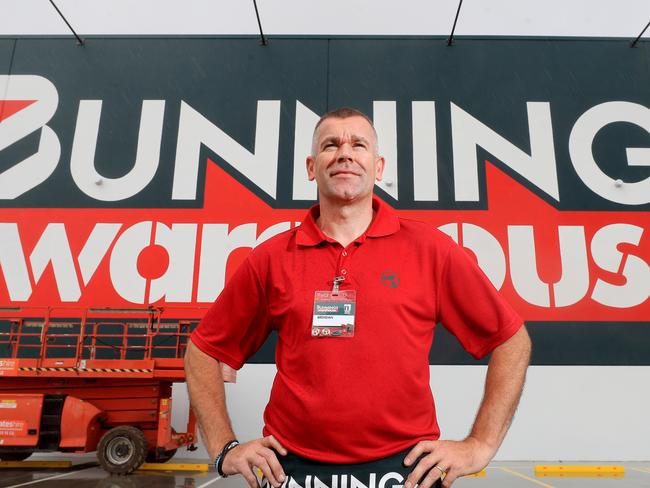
[[345, 152]]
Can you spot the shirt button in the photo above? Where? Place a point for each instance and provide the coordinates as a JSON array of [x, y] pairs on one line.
[[344, 271], [345, 253]]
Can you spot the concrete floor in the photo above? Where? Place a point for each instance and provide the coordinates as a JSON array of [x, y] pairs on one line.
[[86, 474]]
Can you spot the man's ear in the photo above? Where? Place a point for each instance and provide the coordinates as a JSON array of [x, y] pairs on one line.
[[379, 167], [311, 175]]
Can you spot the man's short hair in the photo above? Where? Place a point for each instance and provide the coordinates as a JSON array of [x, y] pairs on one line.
[[341, 113]]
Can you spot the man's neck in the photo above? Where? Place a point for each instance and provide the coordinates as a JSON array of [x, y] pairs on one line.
[[345, 222]]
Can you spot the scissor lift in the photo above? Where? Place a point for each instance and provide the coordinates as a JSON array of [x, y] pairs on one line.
[[88, 380]]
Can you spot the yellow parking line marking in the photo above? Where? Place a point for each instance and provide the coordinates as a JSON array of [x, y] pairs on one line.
[[481, 474], [533, 480], [35, 464], [580, 471], [174, 466]]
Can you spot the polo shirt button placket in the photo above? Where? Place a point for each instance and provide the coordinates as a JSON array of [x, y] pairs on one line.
[[343, 259]]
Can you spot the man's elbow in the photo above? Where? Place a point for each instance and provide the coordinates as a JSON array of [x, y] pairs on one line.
[[523, 344], [193, 356], [187, 359], [517, 348], [198, 364]]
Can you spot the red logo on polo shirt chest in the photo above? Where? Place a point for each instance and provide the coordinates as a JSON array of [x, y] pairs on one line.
[[390, 279]]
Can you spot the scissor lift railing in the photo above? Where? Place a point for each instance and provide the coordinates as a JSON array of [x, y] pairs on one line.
[[77, 338]]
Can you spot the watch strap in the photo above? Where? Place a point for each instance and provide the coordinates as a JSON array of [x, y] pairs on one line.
[[220, 457]]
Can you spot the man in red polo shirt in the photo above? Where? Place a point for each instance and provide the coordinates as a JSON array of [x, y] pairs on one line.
[[354, 294]]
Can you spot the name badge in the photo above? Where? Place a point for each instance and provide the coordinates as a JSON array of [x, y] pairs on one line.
[[334, 313]]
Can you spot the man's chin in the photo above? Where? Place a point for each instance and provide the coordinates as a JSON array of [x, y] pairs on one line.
[[348, 196]]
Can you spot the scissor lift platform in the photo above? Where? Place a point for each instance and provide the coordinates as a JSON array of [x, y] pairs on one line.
[[96, 379]]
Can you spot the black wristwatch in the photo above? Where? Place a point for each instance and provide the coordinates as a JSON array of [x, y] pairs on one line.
[[220, 457]]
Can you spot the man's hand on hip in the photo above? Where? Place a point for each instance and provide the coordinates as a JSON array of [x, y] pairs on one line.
[[244, 458], [453, 458]]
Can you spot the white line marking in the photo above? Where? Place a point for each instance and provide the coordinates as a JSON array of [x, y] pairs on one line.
[[511, 471], [209, 482], [50, 478]]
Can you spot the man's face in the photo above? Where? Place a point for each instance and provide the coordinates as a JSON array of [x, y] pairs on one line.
[[344, 162]]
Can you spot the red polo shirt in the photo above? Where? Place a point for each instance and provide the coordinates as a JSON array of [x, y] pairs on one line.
[[350, 400]]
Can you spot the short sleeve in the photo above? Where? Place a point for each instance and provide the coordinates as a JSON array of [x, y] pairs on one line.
[[237, 323], [471, 308]]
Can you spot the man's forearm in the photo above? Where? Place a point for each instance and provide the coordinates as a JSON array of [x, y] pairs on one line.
[[503, 386], [208, 399]]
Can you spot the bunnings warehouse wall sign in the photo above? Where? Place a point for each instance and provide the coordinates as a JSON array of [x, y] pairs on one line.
[[141, 171]]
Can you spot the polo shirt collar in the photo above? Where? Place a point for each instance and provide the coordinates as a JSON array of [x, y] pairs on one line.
[[384, 223]]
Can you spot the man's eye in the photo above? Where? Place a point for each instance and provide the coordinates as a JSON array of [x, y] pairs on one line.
[[329, 145]]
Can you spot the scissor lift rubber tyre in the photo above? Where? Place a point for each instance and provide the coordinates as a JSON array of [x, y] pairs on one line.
[[122, 449]]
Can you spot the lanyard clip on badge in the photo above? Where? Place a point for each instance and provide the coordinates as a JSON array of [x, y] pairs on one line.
[[335, 284]]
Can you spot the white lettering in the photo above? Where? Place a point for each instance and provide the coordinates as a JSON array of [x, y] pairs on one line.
[[385, 122], [488, 251], [54, 248], [523, 266], [38, 167], [355, 483], [12, 262], [390, 476], [260, 167], [319, 484], [306, 120], [580, 142], [539, 167], [486, 248], [95, 249], [127, 281], [217, 244], [636, 271], [425, 152], [175, 285], [293, 483], [574, 281], [82, 159]]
